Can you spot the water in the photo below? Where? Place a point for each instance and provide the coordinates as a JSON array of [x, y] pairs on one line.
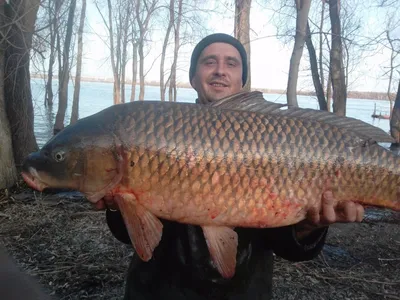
[[96, 96]]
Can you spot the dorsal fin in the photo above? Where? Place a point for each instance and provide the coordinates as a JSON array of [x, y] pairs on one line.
[[255, 102]]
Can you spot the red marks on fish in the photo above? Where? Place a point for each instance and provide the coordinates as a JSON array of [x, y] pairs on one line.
[[264, 182], [213, 213], [125, 191], [254, 183], [273, 196], [111, 170]]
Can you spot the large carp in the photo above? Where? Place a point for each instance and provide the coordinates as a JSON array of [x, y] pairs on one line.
[[241, 162]]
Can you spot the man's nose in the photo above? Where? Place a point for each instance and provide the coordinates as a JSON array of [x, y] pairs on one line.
[[220, 69]]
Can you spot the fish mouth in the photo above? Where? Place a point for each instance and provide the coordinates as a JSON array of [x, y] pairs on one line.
[[32, 179]]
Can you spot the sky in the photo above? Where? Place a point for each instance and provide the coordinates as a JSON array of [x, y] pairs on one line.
[[270, 57]]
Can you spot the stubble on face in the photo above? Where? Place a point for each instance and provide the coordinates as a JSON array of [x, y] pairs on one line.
[[218, 72]]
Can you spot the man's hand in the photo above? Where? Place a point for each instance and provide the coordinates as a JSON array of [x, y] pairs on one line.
[[106, 202], [343, 212]]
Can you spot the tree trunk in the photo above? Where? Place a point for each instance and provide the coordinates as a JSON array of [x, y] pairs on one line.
[[395, 120], [134, 71], [8, 172], [329, 92], [336, 63], [346, 67], [140, 50], [48, 96], [124, 43], [242, 32], [53, 18], [172, 83], [164, 48], [303, 8], [141, 70], [392, 67], [321, 40], [143, 24], [75, 104], [314, 71], [114, 67], [21, 15], [63, 90]]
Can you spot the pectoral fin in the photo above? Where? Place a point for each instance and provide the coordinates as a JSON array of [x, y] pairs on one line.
[[144, 228], [222, 243]]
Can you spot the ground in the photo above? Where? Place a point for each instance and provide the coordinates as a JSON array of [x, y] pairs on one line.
[[65, 244]]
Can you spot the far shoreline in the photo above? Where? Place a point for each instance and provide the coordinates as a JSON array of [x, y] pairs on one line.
[[350, 94]]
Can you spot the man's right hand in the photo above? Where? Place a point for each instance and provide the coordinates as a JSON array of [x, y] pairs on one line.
[[106, 202]]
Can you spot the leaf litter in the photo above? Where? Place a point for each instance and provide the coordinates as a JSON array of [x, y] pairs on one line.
[[64, 243]]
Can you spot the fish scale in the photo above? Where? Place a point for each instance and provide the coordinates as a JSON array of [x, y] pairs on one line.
[[219, 166], [234, 128]]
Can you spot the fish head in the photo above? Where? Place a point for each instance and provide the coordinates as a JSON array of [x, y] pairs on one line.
[[82, 157]]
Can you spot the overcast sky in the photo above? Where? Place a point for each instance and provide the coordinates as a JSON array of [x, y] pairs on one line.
[[269, 56]]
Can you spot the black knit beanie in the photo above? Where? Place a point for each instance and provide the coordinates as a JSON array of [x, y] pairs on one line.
[[218, 38]]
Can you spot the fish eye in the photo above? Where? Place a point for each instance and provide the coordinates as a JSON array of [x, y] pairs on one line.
[[59, 156]]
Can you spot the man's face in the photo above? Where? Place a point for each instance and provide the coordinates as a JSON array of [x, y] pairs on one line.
[[218, 72]]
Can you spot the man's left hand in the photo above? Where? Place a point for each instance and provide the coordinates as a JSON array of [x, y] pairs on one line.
[[329, 213]]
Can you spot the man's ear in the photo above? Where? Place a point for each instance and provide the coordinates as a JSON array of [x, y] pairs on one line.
[[193, 83]]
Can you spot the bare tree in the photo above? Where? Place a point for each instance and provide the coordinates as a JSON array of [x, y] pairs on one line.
[[321, 43], [134, 68], [8, 172], [19, 17], [163, 85], [395, 118], [53, 11], [126, 19], [119, 25], [185, 17], [392, 42], [143, 17], [109, 24], [242, 32], [314, 71], [303, 8], [75, 104], [64, 72], [177, 26], [336, 63]]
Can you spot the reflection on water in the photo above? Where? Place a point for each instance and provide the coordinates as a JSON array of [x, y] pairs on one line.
[[96, 96]]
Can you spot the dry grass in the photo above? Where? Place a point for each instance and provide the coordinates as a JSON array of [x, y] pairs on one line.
[[65, 244]]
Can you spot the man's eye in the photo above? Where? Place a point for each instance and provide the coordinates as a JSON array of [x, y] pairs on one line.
[[231, 64], [210, 62]]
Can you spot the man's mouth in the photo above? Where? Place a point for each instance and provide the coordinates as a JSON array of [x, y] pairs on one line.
[[218, 84]]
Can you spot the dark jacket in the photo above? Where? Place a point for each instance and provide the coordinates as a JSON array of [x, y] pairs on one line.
[[181, 267]]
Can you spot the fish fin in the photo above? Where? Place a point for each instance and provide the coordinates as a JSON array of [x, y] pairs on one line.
[[222, 243], [255, 102], [249, 101], [144, 228]]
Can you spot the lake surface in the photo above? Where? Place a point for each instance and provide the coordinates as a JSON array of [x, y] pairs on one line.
[[96, 96]]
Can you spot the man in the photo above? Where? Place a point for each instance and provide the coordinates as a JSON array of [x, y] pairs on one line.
[[16, 285], [181, 267]]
